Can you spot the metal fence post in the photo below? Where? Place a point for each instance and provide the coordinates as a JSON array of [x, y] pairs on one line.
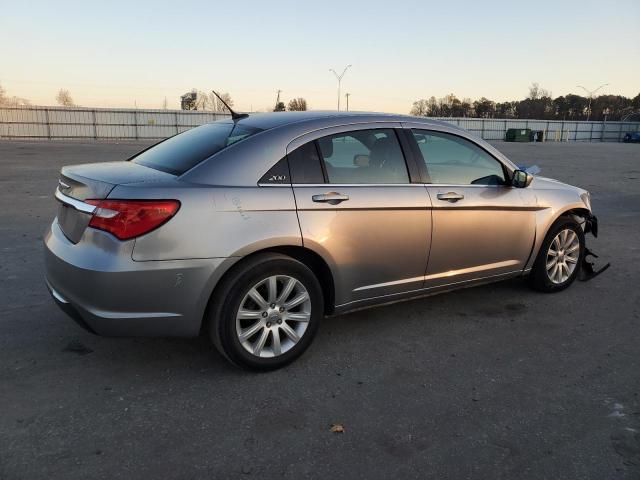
[[504, 133], [562, 130], [546, 132], [95, 128], [620, 132], [482, 134], [135, 121], [591, 134], [46, 116], [175, 114]]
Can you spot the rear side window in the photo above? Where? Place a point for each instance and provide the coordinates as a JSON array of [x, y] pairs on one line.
[[182, 152], [364, 156], [304, 163]]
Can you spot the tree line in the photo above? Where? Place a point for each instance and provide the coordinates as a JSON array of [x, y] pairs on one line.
[[199, 100], [539, 104]]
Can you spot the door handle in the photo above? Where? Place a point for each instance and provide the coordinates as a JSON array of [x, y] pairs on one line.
[[332, 198], [450, 197]]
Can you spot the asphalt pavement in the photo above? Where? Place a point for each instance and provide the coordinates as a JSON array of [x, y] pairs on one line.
[[492, 382]]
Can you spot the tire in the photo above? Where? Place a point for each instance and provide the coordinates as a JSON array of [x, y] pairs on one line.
[[270, 319], [550, 280]]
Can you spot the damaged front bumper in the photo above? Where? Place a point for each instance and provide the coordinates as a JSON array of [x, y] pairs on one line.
[[588, 270], [591, 224]]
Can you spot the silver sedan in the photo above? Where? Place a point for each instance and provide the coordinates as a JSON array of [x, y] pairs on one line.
[[253, 229]]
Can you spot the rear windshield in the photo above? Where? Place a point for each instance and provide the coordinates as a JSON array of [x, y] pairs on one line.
[[182, 152]]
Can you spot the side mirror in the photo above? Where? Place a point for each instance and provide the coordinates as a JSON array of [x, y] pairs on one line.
[[521, 179]]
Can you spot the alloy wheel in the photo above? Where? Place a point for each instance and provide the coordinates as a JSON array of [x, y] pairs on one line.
[[273, 316], [562, 256]]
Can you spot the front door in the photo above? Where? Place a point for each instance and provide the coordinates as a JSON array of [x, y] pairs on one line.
[[358, 208], [482, 227]]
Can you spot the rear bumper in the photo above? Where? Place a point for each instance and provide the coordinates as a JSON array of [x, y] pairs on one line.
[[98, 284]]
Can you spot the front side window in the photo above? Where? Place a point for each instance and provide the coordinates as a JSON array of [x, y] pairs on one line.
[[363, 156], [453, 160], [182, 152]]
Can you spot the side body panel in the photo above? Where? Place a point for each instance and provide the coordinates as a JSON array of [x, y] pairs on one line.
[[216, 222], [489, 232], [376, 243]]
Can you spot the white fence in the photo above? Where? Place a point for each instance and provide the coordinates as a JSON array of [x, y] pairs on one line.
[[553, 130], [99, 123], [106, 123]]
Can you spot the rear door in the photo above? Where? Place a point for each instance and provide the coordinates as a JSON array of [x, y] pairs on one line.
[[482, 227], [358, 208]]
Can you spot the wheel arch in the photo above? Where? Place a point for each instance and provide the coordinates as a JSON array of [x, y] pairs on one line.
[[545, 224], [308, 257]]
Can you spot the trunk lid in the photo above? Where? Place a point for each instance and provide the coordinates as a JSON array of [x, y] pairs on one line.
[[78, 183]]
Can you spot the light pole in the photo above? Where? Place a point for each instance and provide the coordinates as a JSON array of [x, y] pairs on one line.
[[339, 77], [590, 93], [277, 100]]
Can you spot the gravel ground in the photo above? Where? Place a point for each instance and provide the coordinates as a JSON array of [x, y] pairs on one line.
[[490, 382]]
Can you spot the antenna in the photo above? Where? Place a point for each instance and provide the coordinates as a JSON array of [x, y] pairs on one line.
[[234, 115]]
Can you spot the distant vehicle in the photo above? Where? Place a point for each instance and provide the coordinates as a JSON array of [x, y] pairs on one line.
[[633, 137], [253, 228]]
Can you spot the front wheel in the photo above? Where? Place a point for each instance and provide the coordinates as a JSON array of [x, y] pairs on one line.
[[266, 312], [560, 257]]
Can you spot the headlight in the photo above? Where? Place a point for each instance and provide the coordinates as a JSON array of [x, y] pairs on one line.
[[586, 199]]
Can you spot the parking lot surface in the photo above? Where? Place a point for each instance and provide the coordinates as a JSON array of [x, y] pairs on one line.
[[495, 381]]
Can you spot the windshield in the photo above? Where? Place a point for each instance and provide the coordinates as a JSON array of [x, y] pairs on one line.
[[184, 151]]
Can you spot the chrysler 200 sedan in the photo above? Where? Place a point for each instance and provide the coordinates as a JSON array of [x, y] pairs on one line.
[[253, 229]]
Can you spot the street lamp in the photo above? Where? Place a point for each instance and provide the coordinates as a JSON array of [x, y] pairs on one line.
[[339, 77], [590, 93]]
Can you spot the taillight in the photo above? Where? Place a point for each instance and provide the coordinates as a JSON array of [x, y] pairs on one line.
[[131, 218]]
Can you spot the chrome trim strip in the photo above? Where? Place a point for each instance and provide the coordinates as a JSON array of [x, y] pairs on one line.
[[450, 273], [332, 185], [430, 185], [72, 202], [519, 208], [479, 268], [390, 284], [409, 294]]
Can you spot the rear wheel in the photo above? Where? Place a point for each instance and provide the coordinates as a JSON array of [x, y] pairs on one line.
[[266, 312], [560, 257]]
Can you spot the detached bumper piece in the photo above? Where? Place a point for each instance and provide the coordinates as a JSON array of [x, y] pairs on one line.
[[588, 270]]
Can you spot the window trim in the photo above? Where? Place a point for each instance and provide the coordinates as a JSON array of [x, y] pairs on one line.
[[426, 179]]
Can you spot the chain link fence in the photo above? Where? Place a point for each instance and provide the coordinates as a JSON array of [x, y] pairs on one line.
[[119, 124]]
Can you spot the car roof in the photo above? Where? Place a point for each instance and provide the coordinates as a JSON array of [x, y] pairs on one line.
[[270, 120]]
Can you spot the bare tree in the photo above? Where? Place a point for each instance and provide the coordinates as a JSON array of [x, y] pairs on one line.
[[64, 98], [12, 101], [420, 108], [536, 92], [298, 105], [216, 105]]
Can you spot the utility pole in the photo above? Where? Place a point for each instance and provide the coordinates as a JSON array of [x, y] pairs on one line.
[[347, 97], [590, 93], [339, 78], [277, 99]]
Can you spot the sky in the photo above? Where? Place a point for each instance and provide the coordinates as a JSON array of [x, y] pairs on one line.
[[137, 53]]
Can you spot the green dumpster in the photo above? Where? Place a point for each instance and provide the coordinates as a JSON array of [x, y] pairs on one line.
[[518, 135]]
